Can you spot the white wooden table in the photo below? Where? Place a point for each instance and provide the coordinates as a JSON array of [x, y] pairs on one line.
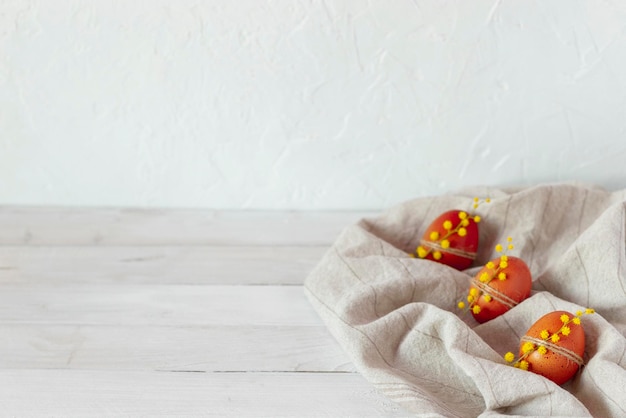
[[172, 313]]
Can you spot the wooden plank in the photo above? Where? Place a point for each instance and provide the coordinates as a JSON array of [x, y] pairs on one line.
[[73, 393], [170, 312], [207, 349], [84, 226], [163, 305], [158, 264]]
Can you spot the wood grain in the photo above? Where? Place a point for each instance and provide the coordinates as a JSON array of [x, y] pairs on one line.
[[86, 393], [241, 265], [208, 349], [85, 226], [125, 312], [162, 305]]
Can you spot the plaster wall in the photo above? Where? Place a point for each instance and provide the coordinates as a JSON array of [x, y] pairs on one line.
[[335, 104]]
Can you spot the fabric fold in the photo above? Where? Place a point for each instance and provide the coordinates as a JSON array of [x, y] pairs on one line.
[[397, 318]]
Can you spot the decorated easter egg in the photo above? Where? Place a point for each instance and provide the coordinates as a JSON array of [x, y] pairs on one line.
[[451, 239], [553, 347], [500, 285]]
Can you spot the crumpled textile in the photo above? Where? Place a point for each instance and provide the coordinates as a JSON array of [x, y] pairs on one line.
[[397, 317]]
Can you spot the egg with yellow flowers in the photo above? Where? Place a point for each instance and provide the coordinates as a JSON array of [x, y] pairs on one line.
[[553, 346], [499, 286], [451, 239]]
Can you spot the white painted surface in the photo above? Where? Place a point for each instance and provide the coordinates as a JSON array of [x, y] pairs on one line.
[[163, 324], [316, 104], [106, 394]]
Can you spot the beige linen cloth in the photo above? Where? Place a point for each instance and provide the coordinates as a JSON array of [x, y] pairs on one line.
[[397, 317]]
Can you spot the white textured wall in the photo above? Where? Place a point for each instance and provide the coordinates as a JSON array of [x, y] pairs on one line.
[[305, 104]]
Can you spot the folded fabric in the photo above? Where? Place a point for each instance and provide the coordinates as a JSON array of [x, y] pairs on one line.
[[398, 320]]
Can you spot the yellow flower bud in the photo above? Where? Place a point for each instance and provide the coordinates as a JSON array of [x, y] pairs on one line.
[[544, 334], [509, 357], [564, 318], [476, 309], [434, 235], [462, 232], [499, 248], [437, 255], [421, 252], [447, 225], [445, 244], [542, 350], [461, 305]]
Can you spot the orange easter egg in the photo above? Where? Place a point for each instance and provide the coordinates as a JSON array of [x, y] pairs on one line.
[[500, 285], [553, 347], [451, 239]]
